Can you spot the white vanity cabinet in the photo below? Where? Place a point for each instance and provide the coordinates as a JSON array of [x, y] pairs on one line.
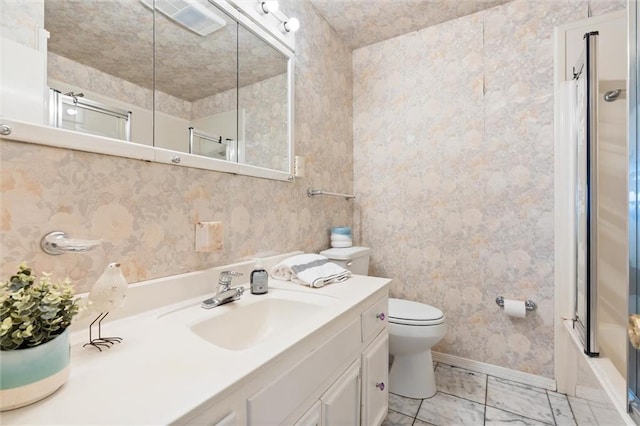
[[337, 378], [360, 396], [323, 366]]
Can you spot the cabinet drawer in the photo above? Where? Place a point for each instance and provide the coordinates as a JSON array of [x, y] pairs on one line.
[[275, 402], [375, 319]]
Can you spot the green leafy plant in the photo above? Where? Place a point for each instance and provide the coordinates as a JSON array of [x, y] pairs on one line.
[[34, 311]]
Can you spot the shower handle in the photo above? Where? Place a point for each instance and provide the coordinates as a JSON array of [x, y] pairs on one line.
[[633, 330], [612, 95]]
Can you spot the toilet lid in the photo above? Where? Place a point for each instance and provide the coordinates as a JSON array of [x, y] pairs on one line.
[[413, 313]]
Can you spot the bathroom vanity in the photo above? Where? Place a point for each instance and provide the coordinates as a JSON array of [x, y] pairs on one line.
[[295, 356]]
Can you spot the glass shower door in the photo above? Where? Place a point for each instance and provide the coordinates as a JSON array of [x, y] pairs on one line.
[[586, 80]]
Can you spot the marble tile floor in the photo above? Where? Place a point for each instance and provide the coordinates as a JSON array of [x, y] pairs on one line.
[[468, 398]]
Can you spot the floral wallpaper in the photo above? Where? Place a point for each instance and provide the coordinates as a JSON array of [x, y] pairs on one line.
[[453, 160], [447, 143], [146, 213], [265, 105], [18, 19], [61, 69]]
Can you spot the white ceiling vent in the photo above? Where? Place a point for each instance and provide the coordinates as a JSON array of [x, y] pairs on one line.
[[191, 14]]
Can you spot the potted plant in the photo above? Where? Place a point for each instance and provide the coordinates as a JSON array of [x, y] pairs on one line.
[[34, 340]]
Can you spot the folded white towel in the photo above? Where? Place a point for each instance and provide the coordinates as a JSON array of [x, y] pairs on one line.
[[310, 269]]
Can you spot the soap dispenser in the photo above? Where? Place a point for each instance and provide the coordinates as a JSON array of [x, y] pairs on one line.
[[259, 279]]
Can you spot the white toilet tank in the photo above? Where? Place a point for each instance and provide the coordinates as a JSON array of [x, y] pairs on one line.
[[355, 259]]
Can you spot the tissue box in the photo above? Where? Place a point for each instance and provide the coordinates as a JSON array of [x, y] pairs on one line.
[[341, 237]]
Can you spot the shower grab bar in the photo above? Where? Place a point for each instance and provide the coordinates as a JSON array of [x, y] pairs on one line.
[[314, 192]]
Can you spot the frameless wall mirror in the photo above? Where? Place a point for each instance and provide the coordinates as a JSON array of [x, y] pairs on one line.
[[196, 78]]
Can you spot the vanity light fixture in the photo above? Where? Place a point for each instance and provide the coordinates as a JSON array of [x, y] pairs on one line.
[[270, 6], [292, 25]]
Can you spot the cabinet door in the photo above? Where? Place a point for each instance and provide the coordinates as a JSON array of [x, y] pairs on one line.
[[341, 403], [313, 417], [230, 420], [375, 380]]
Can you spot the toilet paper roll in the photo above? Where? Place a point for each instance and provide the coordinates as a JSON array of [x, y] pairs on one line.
[[515, 308]]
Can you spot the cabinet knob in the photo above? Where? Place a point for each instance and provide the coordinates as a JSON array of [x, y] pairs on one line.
[[380, 386], [5, 130], [381, 317]]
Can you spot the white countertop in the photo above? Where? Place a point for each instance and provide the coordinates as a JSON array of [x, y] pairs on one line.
[[162, 370]]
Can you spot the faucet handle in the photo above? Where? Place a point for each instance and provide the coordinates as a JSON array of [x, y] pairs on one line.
[[226, 277]]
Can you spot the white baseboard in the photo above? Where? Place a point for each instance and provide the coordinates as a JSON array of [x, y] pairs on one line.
[[592, 394], [496, 371]]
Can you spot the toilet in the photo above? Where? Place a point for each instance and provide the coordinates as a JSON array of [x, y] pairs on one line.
[[414, 328]]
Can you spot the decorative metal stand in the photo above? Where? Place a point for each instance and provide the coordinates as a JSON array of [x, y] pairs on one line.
[[106, 342]]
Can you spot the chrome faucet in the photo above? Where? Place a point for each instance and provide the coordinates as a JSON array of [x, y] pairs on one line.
[[225, 292]]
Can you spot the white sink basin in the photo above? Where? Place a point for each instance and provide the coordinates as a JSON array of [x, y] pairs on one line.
[[243, 326], [253, 319]]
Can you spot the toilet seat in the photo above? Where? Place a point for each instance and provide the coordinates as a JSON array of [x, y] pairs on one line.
[[407, 312]]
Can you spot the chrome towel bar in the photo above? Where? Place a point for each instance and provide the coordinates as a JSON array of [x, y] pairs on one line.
[[313, 192]]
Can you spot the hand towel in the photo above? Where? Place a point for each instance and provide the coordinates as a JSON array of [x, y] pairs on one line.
[[313, 270]]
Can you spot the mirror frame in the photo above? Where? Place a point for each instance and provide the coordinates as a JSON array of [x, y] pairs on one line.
[[22, 131]]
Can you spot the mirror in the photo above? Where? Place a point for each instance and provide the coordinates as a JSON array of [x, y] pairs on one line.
[[262, 101], [193, 81], [90, 64], [196, 83]]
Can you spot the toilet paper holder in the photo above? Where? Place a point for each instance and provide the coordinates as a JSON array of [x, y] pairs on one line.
[[530, 305]]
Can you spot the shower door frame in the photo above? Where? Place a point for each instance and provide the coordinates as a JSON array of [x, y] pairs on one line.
[[633, 92]]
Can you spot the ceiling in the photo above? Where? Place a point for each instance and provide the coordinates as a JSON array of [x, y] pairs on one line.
[[363, 22], [117, 37]]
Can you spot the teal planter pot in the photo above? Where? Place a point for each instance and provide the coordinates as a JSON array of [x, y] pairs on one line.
[[29, 375]]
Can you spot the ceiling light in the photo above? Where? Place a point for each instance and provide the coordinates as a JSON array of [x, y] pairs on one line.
[[270, 6], [292, 25]]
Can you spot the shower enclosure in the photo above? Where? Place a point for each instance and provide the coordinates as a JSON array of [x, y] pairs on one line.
[[592, 171], [601, 194], [72, 111]]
